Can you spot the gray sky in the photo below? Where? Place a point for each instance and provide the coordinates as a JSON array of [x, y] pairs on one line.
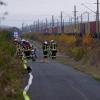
[[29, 10]]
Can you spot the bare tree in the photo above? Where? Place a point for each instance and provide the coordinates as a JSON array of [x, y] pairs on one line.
[[2, 3]]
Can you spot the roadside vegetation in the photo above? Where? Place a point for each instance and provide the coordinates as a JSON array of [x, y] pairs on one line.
[[11, 69], [82, 53]]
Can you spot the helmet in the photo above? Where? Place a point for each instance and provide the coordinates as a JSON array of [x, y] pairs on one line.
[[52, 41], [45, 42], [23, 40], [15, 39], [27, 41]]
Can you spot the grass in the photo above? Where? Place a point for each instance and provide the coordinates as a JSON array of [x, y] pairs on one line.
[[97, 78], [11, 69], [85, 68]]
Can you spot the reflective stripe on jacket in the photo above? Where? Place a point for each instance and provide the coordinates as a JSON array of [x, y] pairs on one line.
[[53, 46], [45, 47]]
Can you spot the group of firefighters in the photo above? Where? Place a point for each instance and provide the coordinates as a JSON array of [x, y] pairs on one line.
[[23, 46], [49, 49]]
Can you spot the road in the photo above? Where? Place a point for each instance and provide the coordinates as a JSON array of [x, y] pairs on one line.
[[55, 81]]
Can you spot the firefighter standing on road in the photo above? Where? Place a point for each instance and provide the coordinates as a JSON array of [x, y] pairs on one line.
[[45, 50], [53, 48]]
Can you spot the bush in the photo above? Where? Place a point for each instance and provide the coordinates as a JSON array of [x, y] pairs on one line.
[[87, 39], [11, 69], [5, 35], [77, 53]]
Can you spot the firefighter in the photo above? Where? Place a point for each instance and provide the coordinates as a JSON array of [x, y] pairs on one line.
[[18, 50], [45, 50], [33, 54], [16, 41], [53, 49], [27, 49]]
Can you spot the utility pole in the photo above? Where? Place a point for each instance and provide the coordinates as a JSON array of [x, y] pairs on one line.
[[75, 18], [38, 25], [71, 20], [98, 17], [57, 23], [61, 23], [81, 18], [46, 25], [22, 27], [88, 21], [88, 17], [34, 26], [52, 23]]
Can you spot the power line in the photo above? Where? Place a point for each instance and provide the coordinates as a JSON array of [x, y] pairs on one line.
[[88, 8]]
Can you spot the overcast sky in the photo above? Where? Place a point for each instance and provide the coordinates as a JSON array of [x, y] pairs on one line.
[[26, 11]]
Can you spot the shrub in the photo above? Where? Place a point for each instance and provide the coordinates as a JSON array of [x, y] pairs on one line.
[[77, 53], [87, 39], [11, 69]]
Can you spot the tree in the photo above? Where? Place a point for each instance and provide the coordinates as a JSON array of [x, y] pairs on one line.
[[2, 3]]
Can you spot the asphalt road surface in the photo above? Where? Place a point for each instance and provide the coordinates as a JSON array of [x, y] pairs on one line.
[[55, 81]]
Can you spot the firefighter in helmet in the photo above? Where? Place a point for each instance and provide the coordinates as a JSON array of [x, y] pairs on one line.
[[53, 49], [45, 50], [18, 50]]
